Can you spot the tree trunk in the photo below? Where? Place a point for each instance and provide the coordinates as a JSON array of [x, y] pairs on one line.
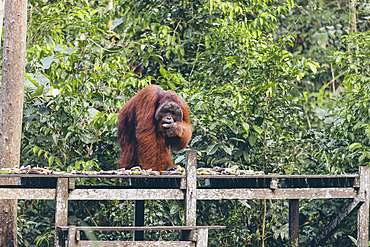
[[11, 104]]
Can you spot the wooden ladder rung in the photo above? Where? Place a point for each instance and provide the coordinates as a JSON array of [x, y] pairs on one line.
[[138, 228]]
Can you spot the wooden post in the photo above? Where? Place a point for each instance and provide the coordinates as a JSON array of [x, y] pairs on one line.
[[294, 222], [61, 207], [191, 188], [363, 213], [202, 240], [191, 193], [139, 219], [72, 236]]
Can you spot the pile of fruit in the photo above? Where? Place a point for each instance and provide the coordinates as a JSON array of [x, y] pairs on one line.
[[234, 170], [176, 170]]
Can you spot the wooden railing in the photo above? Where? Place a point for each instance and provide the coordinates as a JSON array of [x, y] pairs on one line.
[[190, 188]]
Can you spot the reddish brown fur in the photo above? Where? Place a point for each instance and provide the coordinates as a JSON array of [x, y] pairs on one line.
[[142, 140]]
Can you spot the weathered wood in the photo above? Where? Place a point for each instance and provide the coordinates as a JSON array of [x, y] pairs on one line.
[[191, 194], [349, 176], [137, 228], [274, 184], [202, 237], [69, 175], [346, 211], [191, 188], [363, 213], [136, 244], [294, 222], [27, 194], [183, 184], [72, 236], [71, 183], [139, 219], [126, 194], [293, 193], [61, 206], [8, 216]]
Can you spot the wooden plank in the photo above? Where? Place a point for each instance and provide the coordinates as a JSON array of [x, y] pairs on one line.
[[72, 236], [294, 222], [335, 223], [294, 193], [191, 188], [126, 194], [27, 194], [69, 175], [61, 207], [139, 219], [137, 228], [363, 212], [136, 244], [349, 176], [202, 235], [191, 194]]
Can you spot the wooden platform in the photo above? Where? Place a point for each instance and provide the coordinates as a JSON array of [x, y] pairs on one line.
[[192, 187]]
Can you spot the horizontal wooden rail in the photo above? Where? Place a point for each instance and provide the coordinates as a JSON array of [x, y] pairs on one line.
[[138, 228], [126, 194], [69, 175], [177, 194], [137, 244], [294, 193], [27, 194]]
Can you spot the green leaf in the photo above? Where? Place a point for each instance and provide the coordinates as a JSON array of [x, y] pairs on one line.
[[245, 127], [354, 240], [312, 67], [51, 160], [245, 203], [252, 140], [354, 146], [258, 129], [39, 91], [211, 149], [220, 161], [245, 155], [227, 149]]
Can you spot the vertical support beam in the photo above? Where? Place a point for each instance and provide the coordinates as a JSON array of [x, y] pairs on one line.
[[61, 207], [363, 213], [191, 188], [139, 219], [294, 222], [191, 193], [202, 237], [72, 236]]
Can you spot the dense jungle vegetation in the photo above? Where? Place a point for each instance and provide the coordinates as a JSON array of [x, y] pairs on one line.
[[282, 87]]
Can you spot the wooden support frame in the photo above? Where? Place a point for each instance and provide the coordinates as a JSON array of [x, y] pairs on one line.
[[65, 189], [363, 213], [139, 219], [201, 233], [191, 194], [61, 208], [294, 222], [291, 193], [191, 188], [350, 208]]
